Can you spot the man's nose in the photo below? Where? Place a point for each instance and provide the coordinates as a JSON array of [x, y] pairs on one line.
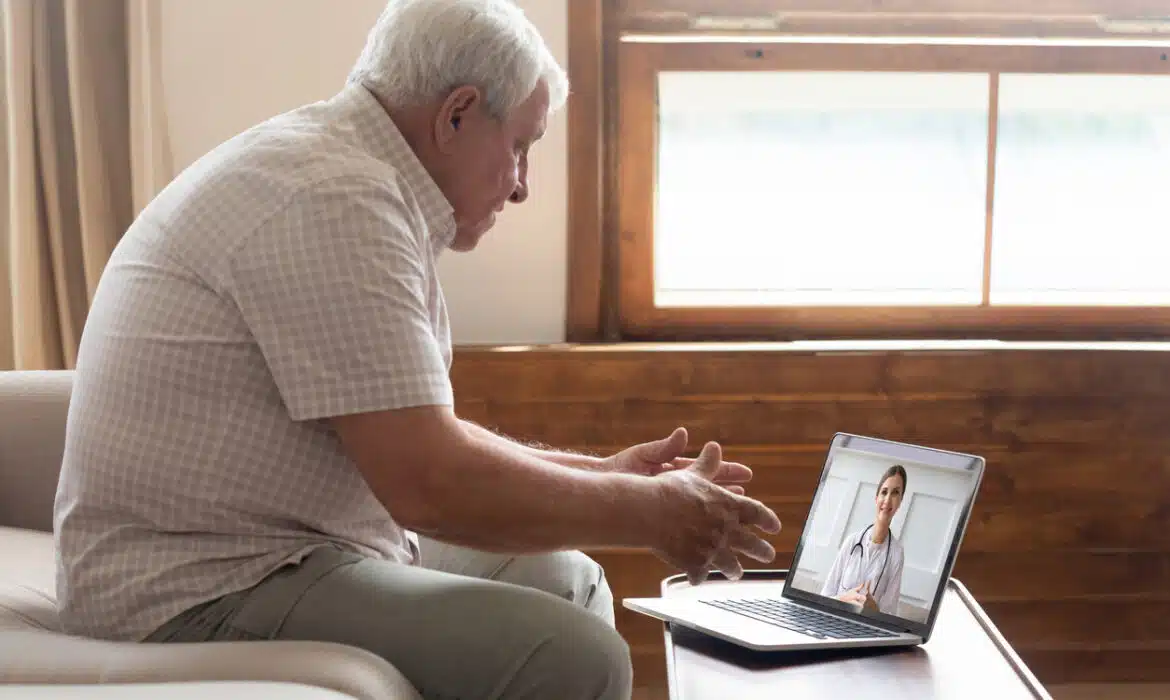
[[520, 193]]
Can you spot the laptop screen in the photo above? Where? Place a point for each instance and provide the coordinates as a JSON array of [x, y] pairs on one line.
[[884, 529]]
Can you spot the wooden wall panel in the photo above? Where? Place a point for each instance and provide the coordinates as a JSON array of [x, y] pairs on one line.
[[586, 112], [1067, 548]]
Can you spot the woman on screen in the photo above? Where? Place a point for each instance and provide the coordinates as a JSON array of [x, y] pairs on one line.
[[868, 568]]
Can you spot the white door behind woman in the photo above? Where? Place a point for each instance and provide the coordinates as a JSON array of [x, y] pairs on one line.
[[923, 524]]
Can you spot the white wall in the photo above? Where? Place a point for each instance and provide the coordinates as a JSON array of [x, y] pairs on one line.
[[227, 64]]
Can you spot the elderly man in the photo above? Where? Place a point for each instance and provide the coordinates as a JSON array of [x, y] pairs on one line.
[[261, 442]]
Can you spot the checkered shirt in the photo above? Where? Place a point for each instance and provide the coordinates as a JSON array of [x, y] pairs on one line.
[[287, 276]]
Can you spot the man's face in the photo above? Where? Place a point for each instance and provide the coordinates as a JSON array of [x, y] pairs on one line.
[[486, 159]]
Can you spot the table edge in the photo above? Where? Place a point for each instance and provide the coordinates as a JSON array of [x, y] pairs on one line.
[[1022, 671]]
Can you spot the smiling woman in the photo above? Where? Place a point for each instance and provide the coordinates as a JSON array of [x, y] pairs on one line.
[[868, 568]]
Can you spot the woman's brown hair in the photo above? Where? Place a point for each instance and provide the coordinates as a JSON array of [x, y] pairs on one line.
[[896, 470]]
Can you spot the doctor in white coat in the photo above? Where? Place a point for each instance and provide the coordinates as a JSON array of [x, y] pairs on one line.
[[868, 568]]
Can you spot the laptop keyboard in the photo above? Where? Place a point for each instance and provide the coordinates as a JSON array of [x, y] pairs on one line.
[[798, 618]]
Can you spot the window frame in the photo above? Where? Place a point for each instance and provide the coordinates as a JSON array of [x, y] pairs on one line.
[[938, 8], [612, 124], [639, 65]]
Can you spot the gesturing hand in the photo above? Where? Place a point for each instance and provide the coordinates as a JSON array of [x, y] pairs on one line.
[[654, 458], [862, 595], [868, 601], [702, 525]]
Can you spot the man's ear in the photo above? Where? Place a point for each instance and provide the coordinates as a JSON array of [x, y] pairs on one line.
[[462, 104]]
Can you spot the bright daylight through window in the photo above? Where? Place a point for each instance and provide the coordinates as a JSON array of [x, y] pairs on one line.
[[807, 188]]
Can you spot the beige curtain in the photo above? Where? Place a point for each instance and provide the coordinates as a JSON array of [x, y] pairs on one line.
[[79, 75], [151, 162]]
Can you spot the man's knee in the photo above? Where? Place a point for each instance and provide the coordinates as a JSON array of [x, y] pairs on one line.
[[589, 587], [585, 659], [523, 644], [572, 575], [584, 578]]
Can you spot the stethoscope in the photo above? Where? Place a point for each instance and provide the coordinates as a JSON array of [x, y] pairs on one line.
[[861, 557]]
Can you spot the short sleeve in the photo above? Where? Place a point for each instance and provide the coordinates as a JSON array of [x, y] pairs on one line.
[[334, 289]]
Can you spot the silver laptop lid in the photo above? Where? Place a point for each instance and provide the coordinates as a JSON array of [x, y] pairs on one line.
[[920, 520]]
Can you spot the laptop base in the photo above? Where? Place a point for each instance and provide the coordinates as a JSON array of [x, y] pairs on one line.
[[747, 632]]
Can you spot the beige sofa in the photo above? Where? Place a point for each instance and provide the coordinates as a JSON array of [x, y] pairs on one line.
[[37, 660]]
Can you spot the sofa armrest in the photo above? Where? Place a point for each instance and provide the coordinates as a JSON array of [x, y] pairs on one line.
[[34, 657], [34, 410], [194, 690]]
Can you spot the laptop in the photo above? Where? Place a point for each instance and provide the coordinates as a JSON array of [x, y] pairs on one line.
[[844, 589]]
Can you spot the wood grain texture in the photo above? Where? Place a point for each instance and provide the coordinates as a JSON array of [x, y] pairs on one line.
[[637, 134], [978, 420], [835, 24], [926, 55], [586, 115], [1040, 8], [1067, 548], [992, 162]]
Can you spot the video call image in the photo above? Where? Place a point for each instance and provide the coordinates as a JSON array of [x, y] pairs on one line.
[[880, 532]]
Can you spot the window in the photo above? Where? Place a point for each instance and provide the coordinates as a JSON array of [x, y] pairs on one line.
[[1082, 190], [771, 184], [802, 188]]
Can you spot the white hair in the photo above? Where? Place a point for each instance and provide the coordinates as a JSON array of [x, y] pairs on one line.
[[420, 50]]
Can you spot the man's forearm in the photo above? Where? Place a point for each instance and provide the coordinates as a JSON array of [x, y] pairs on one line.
[[491, 494], [567, 459]]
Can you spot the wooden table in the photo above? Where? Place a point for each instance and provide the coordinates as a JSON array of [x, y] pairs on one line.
[[965, 658]]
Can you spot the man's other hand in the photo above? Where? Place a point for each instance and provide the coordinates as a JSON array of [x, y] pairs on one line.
[[702, 526], [654, 458]]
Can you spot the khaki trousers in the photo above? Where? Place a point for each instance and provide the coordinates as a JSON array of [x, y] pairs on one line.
[[465, 625]]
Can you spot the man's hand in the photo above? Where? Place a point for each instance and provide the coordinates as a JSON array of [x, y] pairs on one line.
[[701, 525], [659, 456]]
